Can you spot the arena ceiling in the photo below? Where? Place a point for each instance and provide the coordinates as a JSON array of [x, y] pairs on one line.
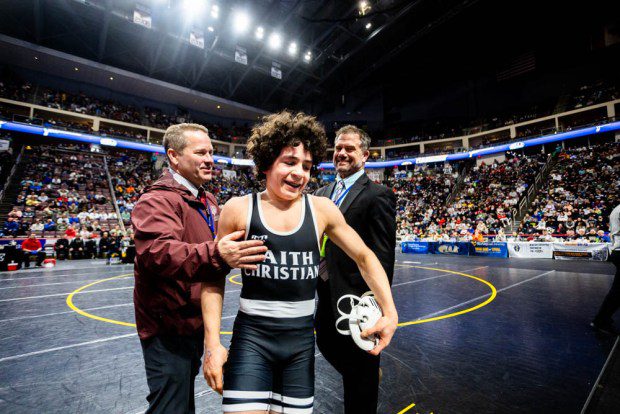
[[332, 30], [394, 40]]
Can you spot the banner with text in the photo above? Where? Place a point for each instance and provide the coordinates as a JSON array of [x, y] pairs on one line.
[[414, 247], [490, 249], [241, 55], [142, 16], [276, 70], [452, 248], [530, 250], [197, 38], [585, 251]]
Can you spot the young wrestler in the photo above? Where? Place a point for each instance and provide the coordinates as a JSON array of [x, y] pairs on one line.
[[270, 365]]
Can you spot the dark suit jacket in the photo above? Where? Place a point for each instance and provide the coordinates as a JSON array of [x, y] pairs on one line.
[[370, 209]]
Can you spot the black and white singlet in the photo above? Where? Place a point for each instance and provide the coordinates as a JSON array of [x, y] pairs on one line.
[[284, 284], [271, 358]]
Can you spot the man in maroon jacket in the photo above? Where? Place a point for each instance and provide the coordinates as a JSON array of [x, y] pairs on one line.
[[175, 223]]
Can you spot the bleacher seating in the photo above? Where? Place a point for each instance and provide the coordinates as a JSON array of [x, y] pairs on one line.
[[581, 191]]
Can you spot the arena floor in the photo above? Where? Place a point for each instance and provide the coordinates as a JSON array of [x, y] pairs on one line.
[[479, 335]]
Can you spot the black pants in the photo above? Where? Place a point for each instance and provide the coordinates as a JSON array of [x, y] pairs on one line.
[[90, 248], [172, 363], [611, 303], [359, 369], [40, 257]]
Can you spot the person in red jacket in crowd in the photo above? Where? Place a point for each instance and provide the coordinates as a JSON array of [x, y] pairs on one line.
[[30, 247], [70, 232]]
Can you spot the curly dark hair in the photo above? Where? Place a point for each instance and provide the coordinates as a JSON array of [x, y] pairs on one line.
[[281, 130]]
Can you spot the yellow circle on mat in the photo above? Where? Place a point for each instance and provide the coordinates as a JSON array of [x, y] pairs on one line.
[[453, 314], [232, 279], [71, 305]]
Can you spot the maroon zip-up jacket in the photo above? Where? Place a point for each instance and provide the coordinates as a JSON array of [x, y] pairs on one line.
[[175, 251]]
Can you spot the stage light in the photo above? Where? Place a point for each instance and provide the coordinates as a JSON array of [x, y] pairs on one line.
[[260, 33], [364, 8], [210, 28], [308, 56], [241, 22], [292, 49], [275, 41], [215, 11], [194, 7], [76, 69], [368, 26]]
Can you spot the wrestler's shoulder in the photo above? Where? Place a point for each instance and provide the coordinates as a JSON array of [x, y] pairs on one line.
[[320, 201], [237, 204]]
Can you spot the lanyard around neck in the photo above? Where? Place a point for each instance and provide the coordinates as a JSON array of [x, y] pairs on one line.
[[208, 217], [341, 197]]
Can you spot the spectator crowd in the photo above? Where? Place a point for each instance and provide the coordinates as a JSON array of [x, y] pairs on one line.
[[577, 198]]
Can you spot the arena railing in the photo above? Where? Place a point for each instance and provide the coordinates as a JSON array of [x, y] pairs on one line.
[[533, 190], [113, 194], [8, 179]]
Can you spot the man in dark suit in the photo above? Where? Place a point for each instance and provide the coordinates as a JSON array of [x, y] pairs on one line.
[[371, 210]]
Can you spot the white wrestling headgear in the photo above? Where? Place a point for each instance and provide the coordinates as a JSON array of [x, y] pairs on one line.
[[365, 312]]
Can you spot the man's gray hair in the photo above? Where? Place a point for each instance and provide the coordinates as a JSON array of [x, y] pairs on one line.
[[174, 138], [352, 129]]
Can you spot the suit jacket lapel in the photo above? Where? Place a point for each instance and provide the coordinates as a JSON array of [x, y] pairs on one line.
[[326, 191], [355, 190]]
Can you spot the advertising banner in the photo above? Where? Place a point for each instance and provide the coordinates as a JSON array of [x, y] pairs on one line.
[[142, 16], [489, 249], [451, 248], [530, 250], [241, 55], [414, 247], [577, 251], [276, 70], [197, 38]]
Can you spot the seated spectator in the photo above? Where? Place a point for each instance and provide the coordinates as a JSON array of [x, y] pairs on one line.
[[603, 237], [106, 245], [477, 237], [32, 247], [70, 232], [501, 236], [76, 248], [28, 213], [11, 227], [128, 248], [84, 233], [90, 246], [62, 248], [16, 213], [49, 225], [37, 226]]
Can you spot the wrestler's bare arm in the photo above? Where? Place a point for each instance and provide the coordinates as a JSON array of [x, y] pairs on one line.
[[332, 222], [212, 297]]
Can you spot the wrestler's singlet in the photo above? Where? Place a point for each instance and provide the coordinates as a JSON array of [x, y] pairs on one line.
[[284, 285], [270, 364]]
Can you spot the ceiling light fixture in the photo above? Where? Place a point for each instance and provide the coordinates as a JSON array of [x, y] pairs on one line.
[[292, 49], [241, 22], [275, 41], [260, 33]]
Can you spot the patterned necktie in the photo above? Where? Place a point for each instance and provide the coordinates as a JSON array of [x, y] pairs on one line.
[[338, 192], [202, 196]]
